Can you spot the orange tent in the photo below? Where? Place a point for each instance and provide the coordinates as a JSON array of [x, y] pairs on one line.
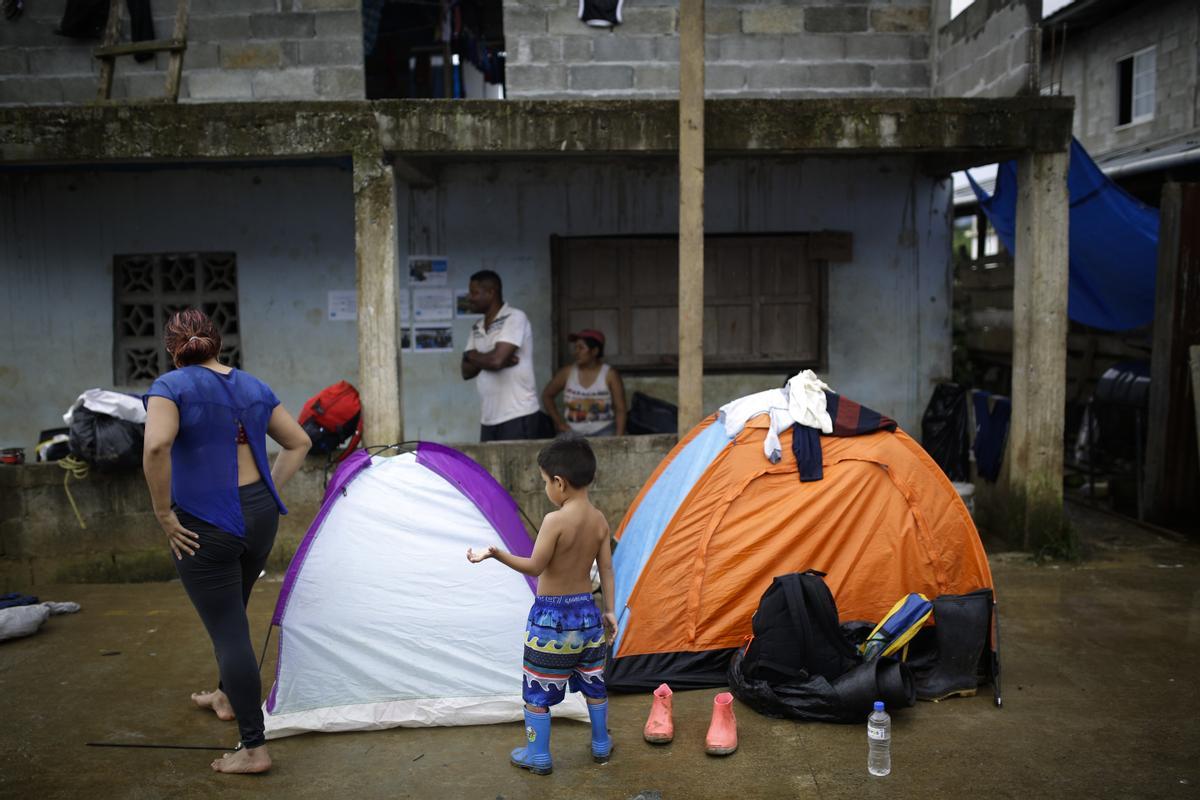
[[717, 521]]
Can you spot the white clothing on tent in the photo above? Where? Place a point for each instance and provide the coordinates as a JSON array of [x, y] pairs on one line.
[[736, 414], [806, 401], [511, 392], [801, 401], [589, 408]]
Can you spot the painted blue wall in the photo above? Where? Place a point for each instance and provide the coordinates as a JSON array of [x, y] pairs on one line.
[[292, 229], [889, 309]]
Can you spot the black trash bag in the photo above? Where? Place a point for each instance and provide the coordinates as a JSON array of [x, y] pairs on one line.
[[650, 415], [87, 19], [52, 446], [805, 697], [105, 441], [945, 430]]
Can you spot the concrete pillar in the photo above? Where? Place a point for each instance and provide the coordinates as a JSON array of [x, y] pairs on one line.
[[691, 213], [1039, 376], [375, 252]]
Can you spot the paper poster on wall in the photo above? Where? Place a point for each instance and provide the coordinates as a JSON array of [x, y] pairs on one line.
[[343, 305], [428, 270], [405, 308], [462, 308], [433, 340], [432, 305]]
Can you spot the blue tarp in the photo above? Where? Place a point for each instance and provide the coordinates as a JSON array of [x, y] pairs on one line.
[[1113, 243]]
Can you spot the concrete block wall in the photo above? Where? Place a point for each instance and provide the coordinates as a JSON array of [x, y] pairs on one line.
[[991, 49], [754, 48], [238, 50], [41, 541], [623, 464], [1088, 72]]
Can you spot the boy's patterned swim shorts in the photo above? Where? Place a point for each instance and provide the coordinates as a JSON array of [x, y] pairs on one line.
[[564, 645]]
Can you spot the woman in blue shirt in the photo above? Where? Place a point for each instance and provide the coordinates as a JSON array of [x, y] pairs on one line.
[[215, 497]]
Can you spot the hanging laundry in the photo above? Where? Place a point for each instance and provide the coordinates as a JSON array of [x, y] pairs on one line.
[[992, 415], [372, 14], [86, 19], [601, 13]]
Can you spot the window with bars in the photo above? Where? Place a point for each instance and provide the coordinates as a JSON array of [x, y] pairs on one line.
[[148, 289], [1135, 87]]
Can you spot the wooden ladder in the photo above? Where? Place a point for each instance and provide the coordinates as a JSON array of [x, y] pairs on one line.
[[108, 52]]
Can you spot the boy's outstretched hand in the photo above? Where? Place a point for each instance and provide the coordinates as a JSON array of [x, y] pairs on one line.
[[610, 626], [475, 558]]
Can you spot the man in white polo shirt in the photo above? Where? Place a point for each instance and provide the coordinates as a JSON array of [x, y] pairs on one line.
[[500, 354]]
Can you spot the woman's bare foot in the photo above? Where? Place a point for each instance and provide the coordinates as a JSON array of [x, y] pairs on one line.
[[251, 760], [217, 701]]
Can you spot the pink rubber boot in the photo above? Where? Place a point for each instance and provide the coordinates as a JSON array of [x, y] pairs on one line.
[[660, 727], [722, 733]]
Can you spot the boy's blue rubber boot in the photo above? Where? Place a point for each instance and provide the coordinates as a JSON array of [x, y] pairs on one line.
[[602, 744], [535, 757]]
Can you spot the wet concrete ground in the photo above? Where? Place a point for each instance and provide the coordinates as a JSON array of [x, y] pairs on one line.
[[1100, 700]]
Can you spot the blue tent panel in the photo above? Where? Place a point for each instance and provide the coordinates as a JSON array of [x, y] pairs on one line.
[[1113, 243], [656, 511]]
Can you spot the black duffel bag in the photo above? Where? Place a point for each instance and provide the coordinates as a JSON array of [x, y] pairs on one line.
[[105, 441], [801, 664]]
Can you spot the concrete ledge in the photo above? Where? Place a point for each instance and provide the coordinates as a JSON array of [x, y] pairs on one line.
[[432, 128], [41, 541]]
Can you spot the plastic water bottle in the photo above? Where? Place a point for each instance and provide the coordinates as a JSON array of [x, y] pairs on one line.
[[879, 740]]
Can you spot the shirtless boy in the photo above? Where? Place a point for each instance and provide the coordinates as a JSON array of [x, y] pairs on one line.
[[566, 636]]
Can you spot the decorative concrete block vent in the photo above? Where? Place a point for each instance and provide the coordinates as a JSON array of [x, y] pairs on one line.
[[753, 48], [237, 50]]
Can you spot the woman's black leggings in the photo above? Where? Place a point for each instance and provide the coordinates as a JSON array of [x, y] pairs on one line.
[[218, 579]]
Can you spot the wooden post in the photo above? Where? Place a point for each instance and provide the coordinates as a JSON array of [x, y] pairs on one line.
[[175, 64], [1039, 376], [375, 250], [1172, 472], [108, 65], [691, 213]]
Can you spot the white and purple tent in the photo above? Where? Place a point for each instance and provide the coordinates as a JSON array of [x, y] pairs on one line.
[[382, 620]]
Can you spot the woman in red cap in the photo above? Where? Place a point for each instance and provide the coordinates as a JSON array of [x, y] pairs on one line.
[[593, 391]]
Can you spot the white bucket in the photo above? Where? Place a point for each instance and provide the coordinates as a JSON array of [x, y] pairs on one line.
[[966, 493]]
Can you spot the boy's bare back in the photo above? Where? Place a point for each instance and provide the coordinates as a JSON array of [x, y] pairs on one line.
[[579, 534]]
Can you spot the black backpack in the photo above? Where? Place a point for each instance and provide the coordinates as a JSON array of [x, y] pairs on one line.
[[796, 632]]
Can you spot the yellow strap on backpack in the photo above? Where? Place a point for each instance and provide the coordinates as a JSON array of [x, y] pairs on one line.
[[897, 627]]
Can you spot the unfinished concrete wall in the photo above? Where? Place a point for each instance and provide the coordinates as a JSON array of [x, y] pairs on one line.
[[754, 48], [41, 541], [291, 228], [989, 50], [248, 50], [1087, 70], [888, 309]]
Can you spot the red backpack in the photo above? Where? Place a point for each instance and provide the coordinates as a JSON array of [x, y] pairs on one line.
[[332, 416]]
